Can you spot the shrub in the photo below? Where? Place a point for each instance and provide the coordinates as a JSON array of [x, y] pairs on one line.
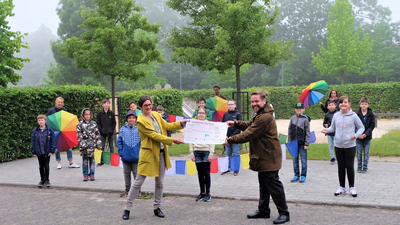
[[19, 108]]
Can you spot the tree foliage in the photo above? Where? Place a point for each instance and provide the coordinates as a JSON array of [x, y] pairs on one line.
[[39, 54], [345, 52], [117, 42], [223, 34], [65, 70], [10, 43]]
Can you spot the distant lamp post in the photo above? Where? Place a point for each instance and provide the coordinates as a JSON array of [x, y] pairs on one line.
[[180, 76], [282, 59]]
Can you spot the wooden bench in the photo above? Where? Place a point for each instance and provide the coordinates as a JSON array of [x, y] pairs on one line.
[[383, 114]]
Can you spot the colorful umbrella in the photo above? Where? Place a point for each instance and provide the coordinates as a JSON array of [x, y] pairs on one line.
[[64, 126], [313, 93], [218, 107]]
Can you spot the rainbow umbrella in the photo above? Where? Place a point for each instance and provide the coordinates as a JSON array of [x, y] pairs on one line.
[[218, 107], [313, 93], [64, 126]]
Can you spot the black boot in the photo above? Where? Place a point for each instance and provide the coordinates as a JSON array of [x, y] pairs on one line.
[[282, 219], [126, 215]]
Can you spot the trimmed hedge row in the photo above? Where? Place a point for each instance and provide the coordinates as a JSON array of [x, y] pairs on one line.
[[384, 97], [19, 108], [170, 99]]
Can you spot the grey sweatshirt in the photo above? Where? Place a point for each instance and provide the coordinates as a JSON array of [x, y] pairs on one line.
[[345, 126]]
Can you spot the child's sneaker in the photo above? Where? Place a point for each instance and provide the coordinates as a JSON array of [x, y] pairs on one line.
[[364, 170], [333, 161], [73, 165], [92, 178], [207, 197], [85, 178], [302, 179], [59, 166], [200, 197], [359, 170], [353, 192], [340, 191], [125, 193], [295, 179]]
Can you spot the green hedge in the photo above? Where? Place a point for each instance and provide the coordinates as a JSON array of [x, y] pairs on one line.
[[170, 99], [19, 108], [384, 97]]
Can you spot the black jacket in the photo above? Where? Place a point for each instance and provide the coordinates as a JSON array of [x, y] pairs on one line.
[[325, 108], [328, 120], [55, 109], [106, 122], [368, 121], [232, 116]]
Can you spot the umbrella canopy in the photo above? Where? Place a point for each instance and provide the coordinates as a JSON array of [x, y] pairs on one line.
[[218, 107], [313, 93], [64, 126]]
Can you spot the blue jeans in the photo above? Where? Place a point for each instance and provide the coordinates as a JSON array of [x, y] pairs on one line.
[[88, 162], [58, 156], [232, 150], [331, 140], [361, 145], [201, 156], [303, 156]]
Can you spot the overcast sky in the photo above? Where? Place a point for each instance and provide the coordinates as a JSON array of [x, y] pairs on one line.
[[29, 14]]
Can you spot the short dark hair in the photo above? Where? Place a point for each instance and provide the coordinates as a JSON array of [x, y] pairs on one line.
[[364, 99], [160, 107], [260, 93], [202, 99], [105, 101], [132, 102], [329, 102], [341, 99], [216, 87], [144, 98]]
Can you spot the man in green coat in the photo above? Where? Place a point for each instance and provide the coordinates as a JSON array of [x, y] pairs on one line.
[[265, 156]]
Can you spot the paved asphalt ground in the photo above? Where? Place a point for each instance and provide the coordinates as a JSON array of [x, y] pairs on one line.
[[24, 205]]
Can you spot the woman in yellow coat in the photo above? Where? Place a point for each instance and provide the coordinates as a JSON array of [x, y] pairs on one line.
[[153, 155]]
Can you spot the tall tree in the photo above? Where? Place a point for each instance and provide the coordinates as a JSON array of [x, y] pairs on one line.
[[226, 34], [65, 71], [39, 54], [10, 43], [345, 52], [117, 42]]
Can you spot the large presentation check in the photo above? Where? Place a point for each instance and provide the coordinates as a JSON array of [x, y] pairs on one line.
[[205, 132]]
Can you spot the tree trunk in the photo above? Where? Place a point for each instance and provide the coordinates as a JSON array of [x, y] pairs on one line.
[[376, 78], [239, 96]]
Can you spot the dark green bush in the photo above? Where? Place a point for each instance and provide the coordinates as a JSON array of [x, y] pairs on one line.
[[19, 108], [384, 97], [170, 99]]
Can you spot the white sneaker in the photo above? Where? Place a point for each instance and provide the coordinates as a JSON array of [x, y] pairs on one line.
[[353, 192], [73, 165], [59, 166], [341, 191]]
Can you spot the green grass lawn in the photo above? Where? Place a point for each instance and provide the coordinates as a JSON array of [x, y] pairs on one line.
[[387, 145]]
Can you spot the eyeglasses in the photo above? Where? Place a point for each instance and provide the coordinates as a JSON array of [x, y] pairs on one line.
[[148, 105], [201, 113], [231, 104]]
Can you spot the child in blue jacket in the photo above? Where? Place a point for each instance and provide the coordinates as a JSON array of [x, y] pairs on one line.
[[43, 145], [128, 149]]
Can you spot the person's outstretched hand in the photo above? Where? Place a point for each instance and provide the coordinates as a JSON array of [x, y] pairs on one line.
[[183, 122], [178, 141], [324, 131], [320, 103], [230, 123]]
